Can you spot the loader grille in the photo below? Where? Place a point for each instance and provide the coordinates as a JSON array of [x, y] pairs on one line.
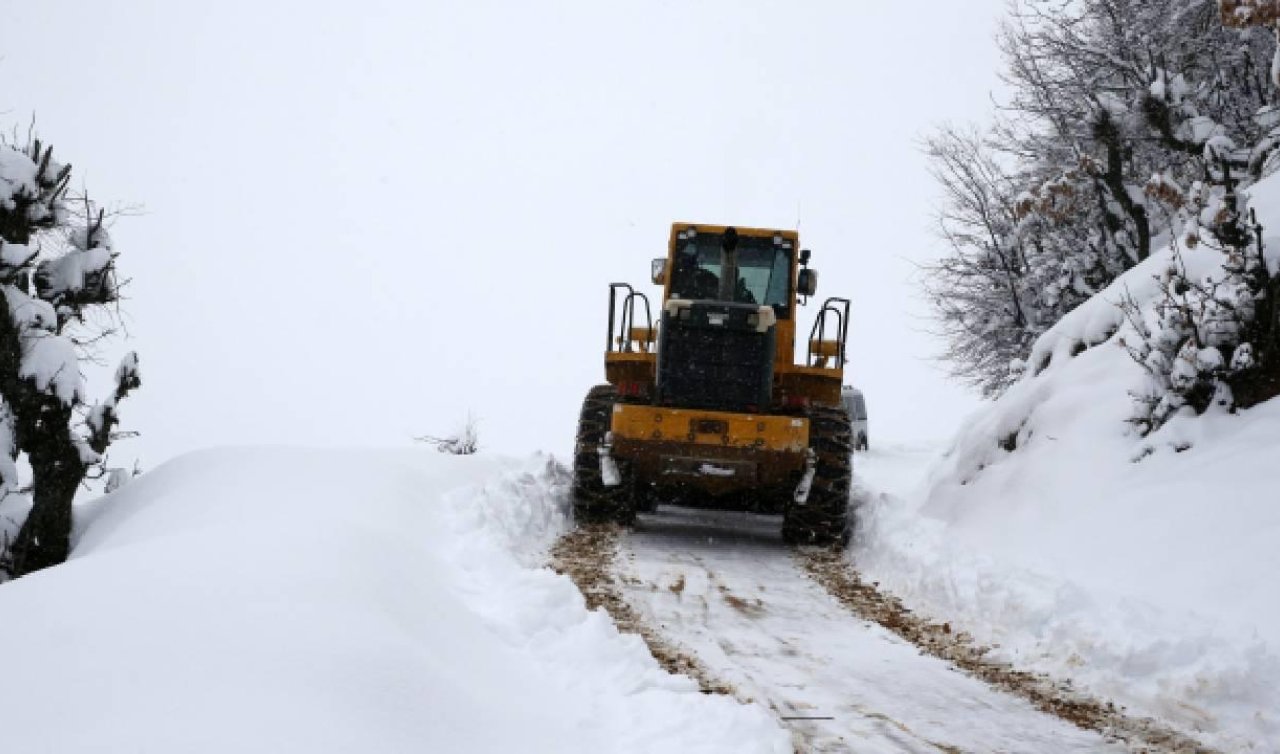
[[712, 356]]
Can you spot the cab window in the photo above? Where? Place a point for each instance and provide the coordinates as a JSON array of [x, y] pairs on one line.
[[764, 271]]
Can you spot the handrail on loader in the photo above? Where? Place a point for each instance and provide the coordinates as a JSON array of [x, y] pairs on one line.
[[820, 348], [627, 332]]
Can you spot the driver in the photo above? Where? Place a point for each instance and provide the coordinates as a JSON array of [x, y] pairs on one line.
[[692, 281]]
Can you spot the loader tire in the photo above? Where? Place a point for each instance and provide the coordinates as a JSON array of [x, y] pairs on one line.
[[824, 518], [592, 500]]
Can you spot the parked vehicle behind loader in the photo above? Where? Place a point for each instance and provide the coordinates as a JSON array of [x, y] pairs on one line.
[[707, 406]]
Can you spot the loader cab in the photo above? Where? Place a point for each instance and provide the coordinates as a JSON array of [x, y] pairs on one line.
[[761, 267], [725, 334], [764, 263]]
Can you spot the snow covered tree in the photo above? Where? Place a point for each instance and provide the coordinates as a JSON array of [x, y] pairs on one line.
[[1213, 340], [57, 277], [1110, 99]]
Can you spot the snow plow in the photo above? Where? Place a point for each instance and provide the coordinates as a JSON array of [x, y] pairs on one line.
[[705, 404]]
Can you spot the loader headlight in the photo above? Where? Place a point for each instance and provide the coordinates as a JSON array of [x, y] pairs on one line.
[[679, 308], [762, 319]]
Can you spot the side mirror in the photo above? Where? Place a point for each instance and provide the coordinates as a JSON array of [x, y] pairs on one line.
[[658, 271], [807, 283]]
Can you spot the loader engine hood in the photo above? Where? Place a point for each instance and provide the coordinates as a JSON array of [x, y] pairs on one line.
[[716, 355]]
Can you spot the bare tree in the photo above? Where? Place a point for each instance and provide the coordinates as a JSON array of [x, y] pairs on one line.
[[977, 290]]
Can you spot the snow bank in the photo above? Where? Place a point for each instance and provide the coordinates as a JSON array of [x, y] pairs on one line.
[[1145, 568], [291, 600]]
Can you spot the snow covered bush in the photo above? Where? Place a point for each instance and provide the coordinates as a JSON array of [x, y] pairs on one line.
[[1209, 340], [57, 277], [464, 442]]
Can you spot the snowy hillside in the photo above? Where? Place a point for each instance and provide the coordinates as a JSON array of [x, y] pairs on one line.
[[288, 600], [1145, 568]]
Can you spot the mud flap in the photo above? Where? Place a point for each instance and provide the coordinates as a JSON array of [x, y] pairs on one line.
[[806, 481], [609, 474]]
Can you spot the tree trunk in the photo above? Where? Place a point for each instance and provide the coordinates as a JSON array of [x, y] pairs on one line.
[[43, 429], [45, 537], [1113, 179]]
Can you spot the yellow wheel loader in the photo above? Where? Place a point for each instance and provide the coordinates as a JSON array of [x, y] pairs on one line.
[[706, 405]]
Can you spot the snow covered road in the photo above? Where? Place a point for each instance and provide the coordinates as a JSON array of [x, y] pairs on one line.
[[725, 587]]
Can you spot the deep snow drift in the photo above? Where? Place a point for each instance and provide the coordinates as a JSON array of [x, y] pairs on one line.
[[299, 600], [1145, 568]]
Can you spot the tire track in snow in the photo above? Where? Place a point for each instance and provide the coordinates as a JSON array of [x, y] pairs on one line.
[[830, 569], [586, 555], [723, 588]]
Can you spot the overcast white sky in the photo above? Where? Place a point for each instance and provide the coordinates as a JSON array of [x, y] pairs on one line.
[[364, 219]]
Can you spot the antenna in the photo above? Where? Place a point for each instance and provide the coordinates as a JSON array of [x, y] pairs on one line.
[[797, 215]]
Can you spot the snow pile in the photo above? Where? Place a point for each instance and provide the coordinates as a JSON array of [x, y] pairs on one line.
[[1142, 567], [301, 600]]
